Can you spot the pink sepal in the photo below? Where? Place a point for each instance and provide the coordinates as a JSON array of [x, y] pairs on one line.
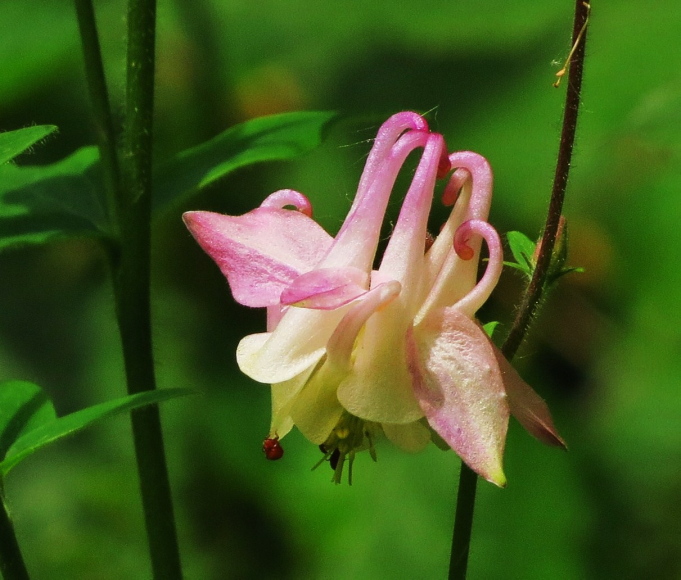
[[260, 252], [459, 387], [527, 406]]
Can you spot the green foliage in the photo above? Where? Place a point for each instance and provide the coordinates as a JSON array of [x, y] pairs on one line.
[[12, 143], [522, 249], [24, 407], [40, 204], [557, 268], [608, 509], [28, 421], [276, 137], [490, 327]]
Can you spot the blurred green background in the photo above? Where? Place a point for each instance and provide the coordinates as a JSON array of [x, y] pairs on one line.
[[604, 352]]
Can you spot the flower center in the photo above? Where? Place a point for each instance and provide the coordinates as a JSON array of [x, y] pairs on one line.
[[350, 435]]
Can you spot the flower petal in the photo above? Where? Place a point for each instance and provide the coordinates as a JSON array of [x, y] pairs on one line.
[[298, 342], [326, 288], [357, 240], [283, 397], [460, 389], [527, 406], [379, 386], [260, 252], [369, 345], [316, 410], [411, 437], [448, 278]]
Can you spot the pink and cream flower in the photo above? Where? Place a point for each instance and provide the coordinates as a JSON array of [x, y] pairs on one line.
[[350, 351]]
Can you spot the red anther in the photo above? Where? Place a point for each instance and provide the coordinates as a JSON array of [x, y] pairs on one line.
[[272, 448]]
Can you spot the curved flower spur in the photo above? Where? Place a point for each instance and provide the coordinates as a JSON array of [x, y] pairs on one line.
[[351, 352]]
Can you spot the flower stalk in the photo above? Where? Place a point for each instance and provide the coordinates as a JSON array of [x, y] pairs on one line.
[[533, 294]]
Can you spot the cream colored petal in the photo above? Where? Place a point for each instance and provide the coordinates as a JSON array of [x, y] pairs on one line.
[[283, 397], [297, 343], [411, 437], [316, 410], [379, 387]]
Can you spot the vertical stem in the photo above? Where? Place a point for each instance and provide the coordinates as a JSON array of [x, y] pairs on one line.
[[463, 523], [99, 98], [12, 564], [533, 294], [132, 287], [528, 306]]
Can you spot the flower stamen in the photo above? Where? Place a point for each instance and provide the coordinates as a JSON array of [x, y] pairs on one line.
[[350, 436]]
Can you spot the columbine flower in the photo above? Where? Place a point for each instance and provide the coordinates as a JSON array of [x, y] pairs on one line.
[[352, 352]]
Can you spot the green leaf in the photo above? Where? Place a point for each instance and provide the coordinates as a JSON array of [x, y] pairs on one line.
[[522, 249], [271, 138], [572, 269], [39, 204], [490, 327], [12, 143], [24, 407], [46, 432]]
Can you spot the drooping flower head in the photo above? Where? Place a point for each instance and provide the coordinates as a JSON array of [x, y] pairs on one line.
[[352, 352]]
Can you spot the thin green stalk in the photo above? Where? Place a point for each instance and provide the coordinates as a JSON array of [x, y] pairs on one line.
[[12, 564], [531, 299], [99, 98], [132, 288]]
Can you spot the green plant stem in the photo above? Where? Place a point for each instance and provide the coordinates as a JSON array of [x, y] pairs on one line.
[[531, 299], [12, 564], [132, 289], [99, 98]]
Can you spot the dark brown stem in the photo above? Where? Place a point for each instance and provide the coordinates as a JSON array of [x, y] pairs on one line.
[[468, 479], [533, 295]]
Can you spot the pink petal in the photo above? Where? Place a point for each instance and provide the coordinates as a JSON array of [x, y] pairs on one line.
[[326, 288], [527, 406], [260, 252], [470, 189], [356, 241], [460, 389], [403, 258]]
